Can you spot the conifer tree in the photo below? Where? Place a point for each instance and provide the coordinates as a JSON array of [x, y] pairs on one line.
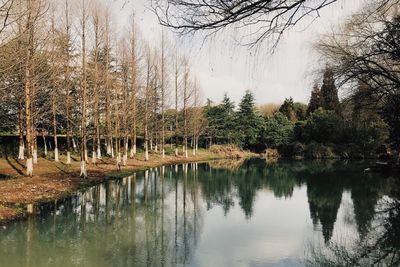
[[329, 93], [315, 100], [249, 123], [287, 109]]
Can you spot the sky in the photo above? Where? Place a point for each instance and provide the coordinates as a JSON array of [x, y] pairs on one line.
[[224, 66]]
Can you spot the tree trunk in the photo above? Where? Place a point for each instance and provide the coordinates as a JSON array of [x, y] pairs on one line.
[[21, 149], [83, 85], [162, 96], [176, 108], [67, 83], [28, 89], [54, 131]]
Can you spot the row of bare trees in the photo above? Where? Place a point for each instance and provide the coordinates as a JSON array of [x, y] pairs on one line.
[[76, 77]]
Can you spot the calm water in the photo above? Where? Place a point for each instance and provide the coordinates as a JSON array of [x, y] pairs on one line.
[[222, 213]]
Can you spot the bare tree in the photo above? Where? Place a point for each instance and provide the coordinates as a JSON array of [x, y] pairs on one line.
[[163, 85], [147, 104], [134, 70], [96, 148], [67, 76], [33, 13], [186, 97], [271, 17], [176, 79], [83, 91]]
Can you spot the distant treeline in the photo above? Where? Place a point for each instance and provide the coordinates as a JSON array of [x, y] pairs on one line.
[[325, 128]]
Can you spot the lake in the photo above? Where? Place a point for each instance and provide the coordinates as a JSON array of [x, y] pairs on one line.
[[219, 213]]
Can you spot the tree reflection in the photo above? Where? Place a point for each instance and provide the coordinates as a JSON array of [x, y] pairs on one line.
[[155, 217], [380, 247]]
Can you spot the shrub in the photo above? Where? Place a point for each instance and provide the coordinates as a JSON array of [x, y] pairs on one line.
[[278, 131], [324, 126]]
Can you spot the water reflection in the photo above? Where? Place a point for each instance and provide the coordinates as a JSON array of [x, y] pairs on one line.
[[169, 216]]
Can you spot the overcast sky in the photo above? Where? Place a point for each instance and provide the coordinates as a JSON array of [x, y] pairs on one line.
[[222, 65]]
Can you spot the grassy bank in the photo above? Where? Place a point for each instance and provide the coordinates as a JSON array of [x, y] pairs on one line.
[[56, 180]]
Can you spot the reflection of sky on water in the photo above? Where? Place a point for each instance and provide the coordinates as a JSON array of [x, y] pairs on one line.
[[275, 233], [257, 215]]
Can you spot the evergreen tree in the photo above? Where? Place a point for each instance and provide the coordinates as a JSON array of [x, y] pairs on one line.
[[300, 109], [287, 109], [315, 100], [221, 121], [278, 131], [249, 123], [329, 93], [228, 119]]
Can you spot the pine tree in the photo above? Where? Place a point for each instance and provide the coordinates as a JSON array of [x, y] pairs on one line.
[[287, 109], [315, 100], [227, 119], [249, 123], [329, 93]]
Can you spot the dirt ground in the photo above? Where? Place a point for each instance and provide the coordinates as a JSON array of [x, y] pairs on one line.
[[54, 180]]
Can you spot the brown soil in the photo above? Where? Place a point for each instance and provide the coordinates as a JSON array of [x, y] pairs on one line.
[[55, 180]]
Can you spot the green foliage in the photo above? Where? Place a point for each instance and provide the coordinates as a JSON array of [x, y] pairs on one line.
[[300, 109], [391, 115], [369, 135], [319, 151], [278, 131], [249, 123], [315, 100], [287, 109], [329, 94], [323, 126], [221, 121]]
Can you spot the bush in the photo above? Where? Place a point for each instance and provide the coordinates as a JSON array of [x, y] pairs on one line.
[[324, 126], [278, 131], [229, 151], [319, 151]]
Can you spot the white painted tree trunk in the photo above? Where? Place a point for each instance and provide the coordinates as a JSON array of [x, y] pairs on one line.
[[56, 154], [108, 149], [125, 158], [86, 155], [156, 148], [35, 159], [194, 151], [21, 152], [186, 153], [133, 151], [83, 169], [112, 149], [118, 160], [99, 151], [163, 153], [45, 147], [151, 144], [74, 144], [176, 152], [94, 157], [68, 157], [146, 154], [29, 167]]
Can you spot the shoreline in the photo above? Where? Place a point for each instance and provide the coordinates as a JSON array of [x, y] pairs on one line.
[[55, 180]]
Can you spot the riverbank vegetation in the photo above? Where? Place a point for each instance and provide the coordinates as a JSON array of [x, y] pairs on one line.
[[75, 86]]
